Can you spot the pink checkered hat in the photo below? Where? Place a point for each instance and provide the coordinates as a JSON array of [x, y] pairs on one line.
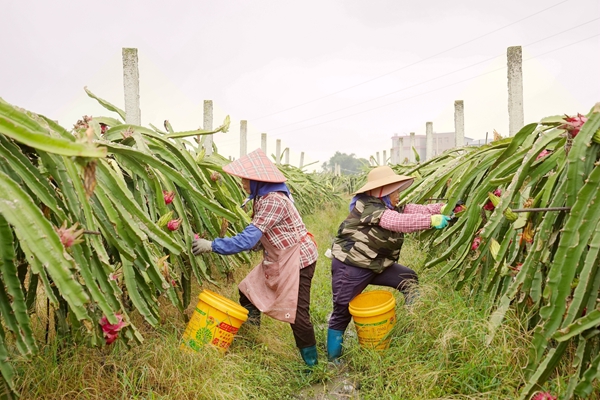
[[255, 166]]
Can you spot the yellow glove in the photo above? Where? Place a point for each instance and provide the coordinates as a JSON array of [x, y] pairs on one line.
[[439, 221]]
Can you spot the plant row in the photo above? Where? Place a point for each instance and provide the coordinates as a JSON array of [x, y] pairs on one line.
[[99, 222], [529, 236]]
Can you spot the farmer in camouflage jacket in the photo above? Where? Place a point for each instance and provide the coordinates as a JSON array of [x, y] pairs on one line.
[[367, 246]]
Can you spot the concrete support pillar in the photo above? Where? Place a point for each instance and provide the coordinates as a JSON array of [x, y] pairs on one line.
[[396, 147], [263, 142], [428, 140], [208, 125], [243, 138], [384, 160], [516, 117], [301, 160], [287, 156], [394, 152], [377, 159], [459, 123], [131, 84], [278, 151], [400, 156], [411, 153]]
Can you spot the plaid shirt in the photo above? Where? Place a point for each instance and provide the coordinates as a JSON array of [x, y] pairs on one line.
[[415, 217], [280, 223]]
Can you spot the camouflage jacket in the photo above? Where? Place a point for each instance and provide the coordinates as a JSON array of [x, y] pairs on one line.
[[361, 242]]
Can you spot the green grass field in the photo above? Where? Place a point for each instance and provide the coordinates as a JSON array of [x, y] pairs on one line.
[[437, 351]]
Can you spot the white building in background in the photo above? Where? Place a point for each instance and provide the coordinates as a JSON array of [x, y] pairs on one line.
[[442, 141], [478, 142]]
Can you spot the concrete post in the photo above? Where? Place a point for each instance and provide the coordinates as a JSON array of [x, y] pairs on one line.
[[278, 151], [516, 118], [384, 160], [263, 142], [243, 138], [428, 140], [377, 158], [394, 152], [208, 125], [287, 156], [400, 156], [301, 160], [411, 153], [459, 123], [131, 84]]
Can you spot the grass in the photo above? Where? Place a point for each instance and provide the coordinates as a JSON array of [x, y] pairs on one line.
[[437, 351]]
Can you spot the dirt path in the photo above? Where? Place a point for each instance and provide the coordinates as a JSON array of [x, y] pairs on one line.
[[342, 387]]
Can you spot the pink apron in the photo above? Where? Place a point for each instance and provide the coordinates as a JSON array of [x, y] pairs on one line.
[[272, 286]]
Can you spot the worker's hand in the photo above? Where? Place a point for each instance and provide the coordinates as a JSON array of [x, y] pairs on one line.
[[439, 221], [201, 246]]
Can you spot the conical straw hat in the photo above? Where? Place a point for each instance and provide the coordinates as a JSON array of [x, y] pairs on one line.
[[255, 166], [384, 177]]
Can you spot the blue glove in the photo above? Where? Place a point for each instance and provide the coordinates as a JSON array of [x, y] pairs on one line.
[[439, 221]]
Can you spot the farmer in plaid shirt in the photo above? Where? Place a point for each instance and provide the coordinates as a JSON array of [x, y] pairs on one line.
[[280, 285], [367, 246]]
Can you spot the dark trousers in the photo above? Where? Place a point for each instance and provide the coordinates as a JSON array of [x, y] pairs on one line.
[[304, 333], [347, 282]]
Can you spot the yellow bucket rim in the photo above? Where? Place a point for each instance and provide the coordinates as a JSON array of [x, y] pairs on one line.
[[370, 311], [223, 304]]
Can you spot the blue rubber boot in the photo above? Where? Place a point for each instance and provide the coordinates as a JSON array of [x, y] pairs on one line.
[[334, 344], [309, 355]]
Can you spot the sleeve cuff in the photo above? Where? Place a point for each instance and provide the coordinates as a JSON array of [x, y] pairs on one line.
[[243, 241]]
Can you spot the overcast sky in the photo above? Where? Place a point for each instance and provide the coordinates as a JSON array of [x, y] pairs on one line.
[[322, 76]]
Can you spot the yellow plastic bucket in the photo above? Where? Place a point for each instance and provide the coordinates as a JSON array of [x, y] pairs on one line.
[[215, 322], [374, 315]]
